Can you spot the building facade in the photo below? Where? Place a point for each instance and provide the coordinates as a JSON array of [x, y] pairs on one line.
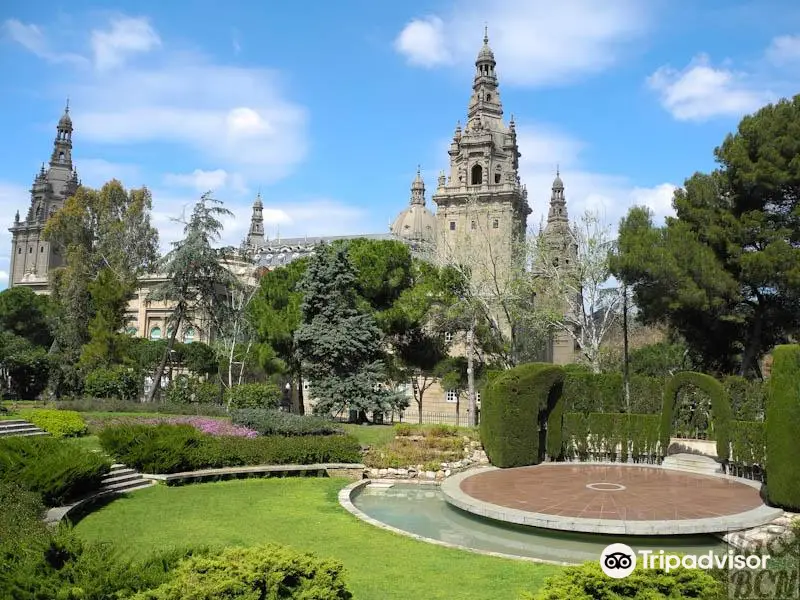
[[480, 220]]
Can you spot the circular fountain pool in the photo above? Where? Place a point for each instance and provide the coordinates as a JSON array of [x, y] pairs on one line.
[[421, 511]]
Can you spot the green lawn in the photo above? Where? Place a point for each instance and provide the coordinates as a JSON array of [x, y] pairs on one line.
[[371, 435], [89, 442], [305, 514]]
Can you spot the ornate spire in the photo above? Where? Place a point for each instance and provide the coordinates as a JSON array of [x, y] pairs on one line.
[[485, 100], [255, 235], [418, 190], [62, 145], [558, 203]]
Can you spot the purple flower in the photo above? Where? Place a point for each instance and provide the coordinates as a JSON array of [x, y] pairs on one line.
[[215, 427]]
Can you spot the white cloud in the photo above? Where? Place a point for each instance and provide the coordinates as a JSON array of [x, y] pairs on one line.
[[423, 42], [32, 38], [784, 49], [543, 148], [203, 181], [124, 37], [700, 91], [535, 43], [238, 117]]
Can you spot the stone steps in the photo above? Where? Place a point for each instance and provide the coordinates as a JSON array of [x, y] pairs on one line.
[[692, 463], [19, 428], [121, 479]]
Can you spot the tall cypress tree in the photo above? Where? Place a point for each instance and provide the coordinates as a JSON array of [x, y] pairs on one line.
[[339, 345]]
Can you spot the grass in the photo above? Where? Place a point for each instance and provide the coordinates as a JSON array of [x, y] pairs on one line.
[[371, 435], [88, 442], [305, 514]]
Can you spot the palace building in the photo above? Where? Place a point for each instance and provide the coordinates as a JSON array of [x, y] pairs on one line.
[[480, 219]]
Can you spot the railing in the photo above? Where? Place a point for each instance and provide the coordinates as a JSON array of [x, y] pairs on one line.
[[428, 418]]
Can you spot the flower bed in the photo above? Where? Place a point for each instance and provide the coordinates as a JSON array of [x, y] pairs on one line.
[[216, 427]]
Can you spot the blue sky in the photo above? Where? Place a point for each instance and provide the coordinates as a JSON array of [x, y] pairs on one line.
[[329, 107]]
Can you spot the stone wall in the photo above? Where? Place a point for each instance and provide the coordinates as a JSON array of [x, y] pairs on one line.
[[475, 456]]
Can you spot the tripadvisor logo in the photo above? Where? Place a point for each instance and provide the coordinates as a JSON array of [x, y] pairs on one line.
[[619, 561]]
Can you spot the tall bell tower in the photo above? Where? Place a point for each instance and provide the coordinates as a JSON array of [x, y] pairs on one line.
[[482, 207], [32, 257]]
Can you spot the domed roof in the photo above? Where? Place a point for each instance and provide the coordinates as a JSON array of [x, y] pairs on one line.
[[485, 54], [416, 222], [65, 122], [557, 183]]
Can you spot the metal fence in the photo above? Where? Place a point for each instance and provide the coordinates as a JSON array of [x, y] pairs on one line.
[[428, 418]]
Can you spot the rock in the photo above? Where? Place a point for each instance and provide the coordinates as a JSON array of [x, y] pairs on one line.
[[430, 475], [447, 473], [402, 472], [374, 473], [439, 474], [383, 472], [776, 529], [392, 471]]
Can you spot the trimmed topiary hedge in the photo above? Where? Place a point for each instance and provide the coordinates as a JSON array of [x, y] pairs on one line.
[[510, 413], [748, 447], [59, 471], [720, 408], [611, 436], [58, 423], [179, 448], [782, 427]]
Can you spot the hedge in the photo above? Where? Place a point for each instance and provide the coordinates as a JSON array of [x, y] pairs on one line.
[[605, 392], [748, 444], [611, 436], [58, 423], [59, 471], [114, 382], [179, 448], [720, 408], [275, 422], [588, 582], [746, 398], [782, 427], [115, 405], [268, 571], [510, 413]]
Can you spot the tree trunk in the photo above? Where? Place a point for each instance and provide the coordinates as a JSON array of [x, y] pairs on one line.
[[473, 403], [163, 364], [752, 345], [417, 397], [244, 361], [301, 403], [625, 358]]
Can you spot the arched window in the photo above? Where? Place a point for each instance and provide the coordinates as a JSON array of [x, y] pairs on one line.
[[155, 333], [188, 336], [477, 175], [131, 331]]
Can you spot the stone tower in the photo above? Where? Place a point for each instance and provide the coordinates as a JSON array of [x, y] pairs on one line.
[[416, 225], [482, 207], [562, 249], [32, 258], [255, 235]]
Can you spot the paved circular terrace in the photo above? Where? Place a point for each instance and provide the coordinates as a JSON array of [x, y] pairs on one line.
[[610, 499]]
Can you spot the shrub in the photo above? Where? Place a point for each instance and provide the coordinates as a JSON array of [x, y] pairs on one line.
[[586, 392], [115, 405], [403, 429], [58, 423], [27, 369], [253, 395], [179, 448], [611, 436], [275, 422], [748, 444], [270, 572], [186, 390], [782, 425], [588, 582], [114, 382], [510, 413], [59, 471], [720, 407]]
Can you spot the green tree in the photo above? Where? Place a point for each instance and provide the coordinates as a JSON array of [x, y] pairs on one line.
[[275, 314], [195, 279], [338, 343], [100, 233], [107, 344], [25, 367], [725, 272], [26, 314]]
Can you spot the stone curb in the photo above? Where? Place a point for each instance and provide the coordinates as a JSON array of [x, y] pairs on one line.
[[345, 495], [451, 489]]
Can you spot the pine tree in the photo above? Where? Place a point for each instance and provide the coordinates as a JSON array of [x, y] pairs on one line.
[[339, 345]]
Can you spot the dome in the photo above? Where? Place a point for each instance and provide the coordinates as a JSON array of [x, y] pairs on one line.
[[486, 54], [65, 122], [557, 183], [415, 223]]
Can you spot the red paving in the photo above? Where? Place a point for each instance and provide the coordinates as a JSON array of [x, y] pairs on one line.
[[650, 494]]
